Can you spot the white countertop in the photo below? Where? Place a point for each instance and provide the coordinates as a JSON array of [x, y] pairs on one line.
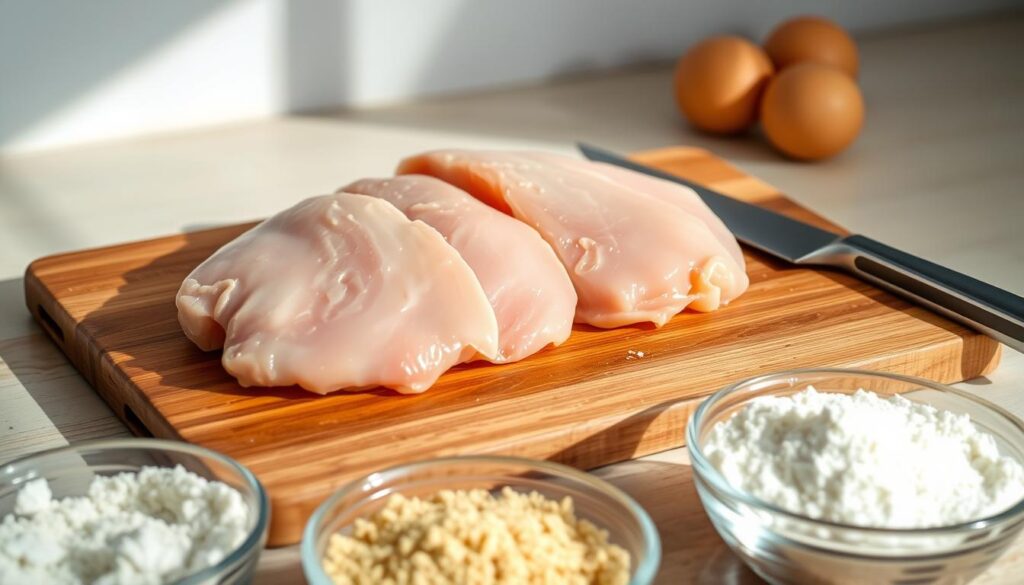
[[936, 172]]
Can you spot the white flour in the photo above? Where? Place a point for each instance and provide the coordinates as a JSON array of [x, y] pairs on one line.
[[864, 460], [150, 527]]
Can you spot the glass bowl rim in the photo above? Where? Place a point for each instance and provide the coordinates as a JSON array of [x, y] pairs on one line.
[[645, 572], [262, 508], [709, 473]]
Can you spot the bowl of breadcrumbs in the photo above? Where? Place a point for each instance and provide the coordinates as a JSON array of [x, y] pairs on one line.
[[480, 520]]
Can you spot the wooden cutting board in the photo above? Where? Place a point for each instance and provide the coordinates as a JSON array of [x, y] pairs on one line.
[[603, 396]]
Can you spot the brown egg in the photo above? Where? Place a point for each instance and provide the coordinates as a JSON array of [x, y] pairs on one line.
[[719, 82], [812, 39], [812, 111]]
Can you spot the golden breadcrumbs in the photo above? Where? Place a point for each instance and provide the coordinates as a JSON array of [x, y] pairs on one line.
[[473, 537]]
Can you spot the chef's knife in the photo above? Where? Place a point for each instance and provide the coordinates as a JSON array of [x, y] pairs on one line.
[[989, 309]]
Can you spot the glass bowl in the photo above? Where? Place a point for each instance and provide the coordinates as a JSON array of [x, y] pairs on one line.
[[784, 547], [70, 470], [596, 500]]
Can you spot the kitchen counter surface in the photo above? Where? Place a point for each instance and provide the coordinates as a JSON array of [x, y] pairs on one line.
[[936, 172]]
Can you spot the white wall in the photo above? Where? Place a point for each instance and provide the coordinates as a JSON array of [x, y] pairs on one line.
[[74, 71]]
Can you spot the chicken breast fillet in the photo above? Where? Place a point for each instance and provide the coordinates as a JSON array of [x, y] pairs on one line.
[[531, 294], [636, 248], [338, 292]]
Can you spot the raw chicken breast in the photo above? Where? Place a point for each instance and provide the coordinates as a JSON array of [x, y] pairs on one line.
[[682, 197], [527, 287], [339, 291], [636, 248]]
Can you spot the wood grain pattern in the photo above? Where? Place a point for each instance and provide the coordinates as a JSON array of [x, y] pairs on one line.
[[586, 403]]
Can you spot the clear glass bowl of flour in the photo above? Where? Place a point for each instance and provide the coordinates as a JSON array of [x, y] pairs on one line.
[[70, 471], [786, 547]]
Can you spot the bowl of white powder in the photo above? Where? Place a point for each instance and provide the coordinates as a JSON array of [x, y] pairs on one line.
[[126, 511], [847, 476], [480, 520]]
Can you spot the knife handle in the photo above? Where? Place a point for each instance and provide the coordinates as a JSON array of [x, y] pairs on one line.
[[989, 309]]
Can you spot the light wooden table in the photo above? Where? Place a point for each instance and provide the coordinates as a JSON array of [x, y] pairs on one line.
[[937, 172]]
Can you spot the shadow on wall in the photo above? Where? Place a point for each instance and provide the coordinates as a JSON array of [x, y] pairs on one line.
[[62, 54], [317, 54], [56, 51], [471, 51]]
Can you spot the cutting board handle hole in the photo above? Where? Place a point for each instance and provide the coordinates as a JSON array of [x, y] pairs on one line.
[[50, 324], [135, 423]]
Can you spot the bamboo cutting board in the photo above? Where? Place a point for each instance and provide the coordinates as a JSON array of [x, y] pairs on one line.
[[603, 396]]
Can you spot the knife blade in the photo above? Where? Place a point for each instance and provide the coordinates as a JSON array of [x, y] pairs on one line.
[[982, 306]]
